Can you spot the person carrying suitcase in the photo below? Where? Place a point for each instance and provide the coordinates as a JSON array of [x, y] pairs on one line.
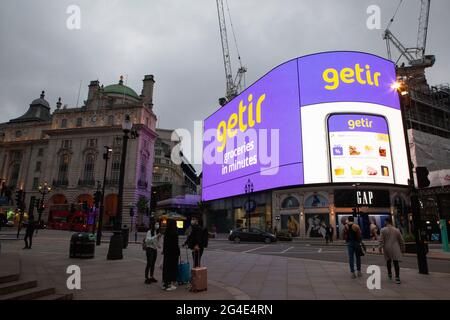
[[195, 241]]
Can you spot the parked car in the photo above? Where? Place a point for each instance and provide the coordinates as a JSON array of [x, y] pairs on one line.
[[284, 236], [254, 235]]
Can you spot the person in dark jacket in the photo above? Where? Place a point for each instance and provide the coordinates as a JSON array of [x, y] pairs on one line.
[[353, 237], [329, 234], [171, 252], [29, 233], [195, 241]]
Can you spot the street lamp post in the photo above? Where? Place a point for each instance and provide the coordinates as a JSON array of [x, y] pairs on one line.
[[43, 190], [248, 191], [102, 197], [356, 185], [117, 242], [414, 194]]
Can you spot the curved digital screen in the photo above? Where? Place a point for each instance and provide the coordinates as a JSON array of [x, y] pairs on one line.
[[286, 128]]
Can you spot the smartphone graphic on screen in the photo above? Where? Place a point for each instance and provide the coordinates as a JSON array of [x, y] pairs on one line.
[[359, 148]]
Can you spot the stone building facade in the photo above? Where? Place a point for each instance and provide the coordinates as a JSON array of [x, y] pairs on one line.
[[65, 148]]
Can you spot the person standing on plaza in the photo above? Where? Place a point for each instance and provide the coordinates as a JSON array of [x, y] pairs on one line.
[[195, 241], [151, 246], [393, 245], [329, 234], [171, 252], [29, 232], [352, 236]]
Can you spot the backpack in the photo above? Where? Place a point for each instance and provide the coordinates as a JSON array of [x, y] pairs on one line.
[[205, 238]]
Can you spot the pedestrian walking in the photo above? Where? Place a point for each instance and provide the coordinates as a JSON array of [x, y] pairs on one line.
[[171, 252], [29, 233], [352, 236], [393, 245], [151, 244], [195, 241]]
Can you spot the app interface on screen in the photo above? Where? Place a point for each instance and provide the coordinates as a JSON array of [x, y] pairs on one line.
[[359, 148]]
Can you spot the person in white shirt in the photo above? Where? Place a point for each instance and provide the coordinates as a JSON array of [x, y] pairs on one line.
[[151, 244]]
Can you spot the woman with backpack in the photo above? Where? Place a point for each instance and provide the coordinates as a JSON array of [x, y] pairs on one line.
[[353, 238], [150, 246]]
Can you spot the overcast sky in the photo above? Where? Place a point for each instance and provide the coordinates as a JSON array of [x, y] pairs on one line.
[[178, 41]]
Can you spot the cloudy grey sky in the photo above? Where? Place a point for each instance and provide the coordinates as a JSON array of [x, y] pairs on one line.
[[178, 41]]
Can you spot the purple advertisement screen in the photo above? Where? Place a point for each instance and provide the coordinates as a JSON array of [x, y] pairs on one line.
[[274, 132], [255, 136]]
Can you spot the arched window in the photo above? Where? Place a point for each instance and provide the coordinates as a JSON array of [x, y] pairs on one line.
[[316, 201], [64, 123], [290, 202], [89, 166]]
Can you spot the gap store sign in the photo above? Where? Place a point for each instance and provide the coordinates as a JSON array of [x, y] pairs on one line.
[[324, 118]]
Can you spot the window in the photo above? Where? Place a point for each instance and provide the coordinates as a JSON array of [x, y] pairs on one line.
[[110, 120], [92, 143], [157, 177], [158, 152], [18, 133], [63, 168], [157, 160], [143, 171], [35, 183], [145, 143], [115, 167], [146, 122], [64, 123], [290, 202], [89, 166], [79, 122], [166, 179], [40, 152], [117, 141], [38, 166], [67, 144]]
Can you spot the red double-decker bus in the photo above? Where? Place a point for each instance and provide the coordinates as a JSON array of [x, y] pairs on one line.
[[69, 217]]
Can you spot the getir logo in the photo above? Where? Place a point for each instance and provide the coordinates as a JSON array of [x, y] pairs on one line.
[[363, 76], [228, 129], [365, 123]]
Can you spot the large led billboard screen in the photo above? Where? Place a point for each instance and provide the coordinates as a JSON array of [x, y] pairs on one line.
[[323, 118]]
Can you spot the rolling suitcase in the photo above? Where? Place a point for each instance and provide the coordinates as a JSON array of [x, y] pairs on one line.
[[184, 275], [199, 277]]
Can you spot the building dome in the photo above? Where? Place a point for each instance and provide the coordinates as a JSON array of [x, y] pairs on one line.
[[120, 88], [40, 101]]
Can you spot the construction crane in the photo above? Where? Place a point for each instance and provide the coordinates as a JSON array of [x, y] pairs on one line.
[[415, 56], [233, 85]]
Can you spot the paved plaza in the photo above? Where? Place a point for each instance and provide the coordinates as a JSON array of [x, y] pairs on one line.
[[235, 271]]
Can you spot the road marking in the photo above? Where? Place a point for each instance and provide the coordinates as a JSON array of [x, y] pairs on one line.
[[255, 249], [284, 251], [320, 250]]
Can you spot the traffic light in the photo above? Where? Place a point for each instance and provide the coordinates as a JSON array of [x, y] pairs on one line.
[[422, 177], [19, 198], [97, 197]]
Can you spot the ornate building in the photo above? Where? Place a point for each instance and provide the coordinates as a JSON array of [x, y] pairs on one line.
[[65, 148]]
